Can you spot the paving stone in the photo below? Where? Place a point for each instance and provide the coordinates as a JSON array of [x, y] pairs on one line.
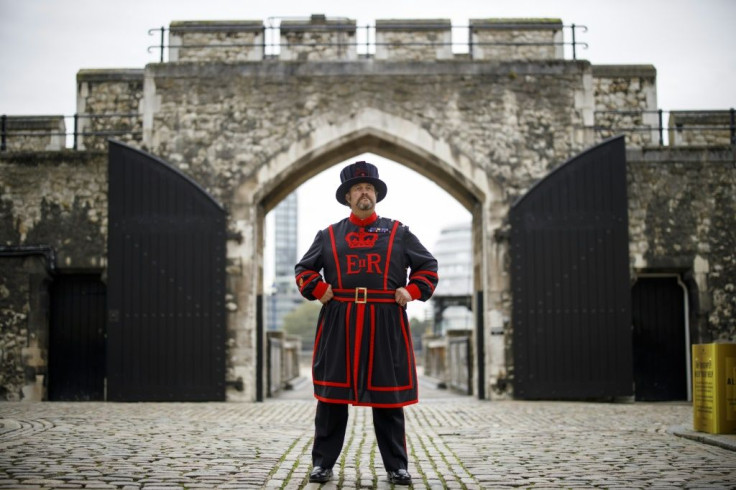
[[454, 442]]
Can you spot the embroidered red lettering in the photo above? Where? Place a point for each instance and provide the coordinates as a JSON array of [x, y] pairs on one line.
[[374, 260], [370, 264]]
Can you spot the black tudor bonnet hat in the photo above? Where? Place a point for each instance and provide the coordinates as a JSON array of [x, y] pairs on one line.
[[358, 172]]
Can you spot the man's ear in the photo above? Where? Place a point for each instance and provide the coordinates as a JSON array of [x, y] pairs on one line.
[[347, 198]]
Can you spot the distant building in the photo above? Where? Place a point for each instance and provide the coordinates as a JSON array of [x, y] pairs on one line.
[[451, 300], [284, 296]]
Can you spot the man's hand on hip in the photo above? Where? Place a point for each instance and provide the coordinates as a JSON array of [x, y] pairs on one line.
[[402, 296], [327, 296]]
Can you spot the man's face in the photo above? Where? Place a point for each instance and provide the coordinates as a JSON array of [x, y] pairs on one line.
[[362, 197]]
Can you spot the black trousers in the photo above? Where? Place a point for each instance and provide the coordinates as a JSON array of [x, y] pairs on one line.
[[329, 434]]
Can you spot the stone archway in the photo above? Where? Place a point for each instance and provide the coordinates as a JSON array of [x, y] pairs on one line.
[[368, 131]]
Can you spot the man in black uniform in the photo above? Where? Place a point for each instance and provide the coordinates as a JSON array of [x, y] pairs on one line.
[[363, 352]]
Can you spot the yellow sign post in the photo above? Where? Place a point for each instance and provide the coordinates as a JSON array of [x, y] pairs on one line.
[[714, 388]]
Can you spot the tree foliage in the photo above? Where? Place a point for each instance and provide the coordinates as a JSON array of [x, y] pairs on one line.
[[302, 322]]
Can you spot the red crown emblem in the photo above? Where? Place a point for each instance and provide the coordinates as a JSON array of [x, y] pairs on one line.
[[361, 239]]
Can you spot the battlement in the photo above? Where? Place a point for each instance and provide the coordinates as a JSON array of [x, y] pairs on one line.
[[612, 99], [320, 38], [701, 128], [416, 40], [34, 133], [216, 40], [515, 39]]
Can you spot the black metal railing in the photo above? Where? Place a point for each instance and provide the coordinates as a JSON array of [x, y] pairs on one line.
[[73, 135], [365, 42], [661, 128]]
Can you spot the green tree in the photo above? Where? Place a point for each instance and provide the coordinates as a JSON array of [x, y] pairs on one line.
[[418, 329], [302, 322]]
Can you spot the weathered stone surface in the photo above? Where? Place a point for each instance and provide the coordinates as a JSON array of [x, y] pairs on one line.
[[216, 40], [626, 99], [512, 39]]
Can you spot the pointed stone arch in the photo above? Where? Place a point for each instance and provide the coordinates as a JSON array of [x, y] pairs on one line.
[[394, 138]]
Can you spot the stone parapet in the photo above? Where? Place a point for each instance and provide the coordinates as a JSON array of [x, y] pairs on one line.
[[109, 106], [318, 39], [229, 41], [516, 39], [33, 133], [626, 102], [413, 39], [701, 128]]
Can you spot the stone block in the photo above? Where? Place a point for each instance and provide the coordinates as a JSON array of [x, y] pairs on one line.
[[229, 41], [413, 39], [516, 39], [318, 39]]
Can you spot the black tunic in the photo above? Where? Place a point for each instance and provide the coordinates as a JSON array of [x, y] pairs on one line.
[[363, 352]]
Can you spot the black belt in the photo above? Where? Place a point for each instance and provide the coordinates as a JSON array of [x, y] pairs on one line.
[[365, 295]]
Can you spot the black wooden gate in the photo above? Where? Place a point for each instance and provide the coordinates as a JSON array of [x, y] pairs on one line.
[[166, 283], [77, 338], [660, 341], [571, 308]]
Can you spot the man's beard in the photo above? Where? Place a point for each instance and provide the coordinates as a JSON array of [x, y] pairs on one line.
[[365, 204]]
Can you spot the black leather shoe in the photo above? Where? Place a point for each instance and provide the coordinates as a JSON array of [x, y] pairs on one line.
[[320, 475], [399, 477]]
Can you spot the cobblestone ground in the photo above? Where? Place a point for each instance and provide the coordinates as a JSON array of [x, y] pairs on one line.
[[454, 442]]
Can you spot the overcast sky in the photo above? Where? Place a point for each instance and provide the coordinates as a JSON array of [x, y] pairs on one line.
[[44, 43]]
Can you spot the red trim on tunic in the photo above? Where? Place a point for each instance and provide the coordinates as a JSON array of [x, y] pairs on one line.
[[388, 254], [334, 254], [407, 346], [420, 276], [337, 384], [358, 404], [359, 318], [319, 289], [429, 273], [312, 276], [363, 222], [414, 291]]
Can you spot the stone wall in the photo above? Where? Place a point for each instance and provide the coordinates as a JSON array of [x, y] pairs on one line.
[[108, 106], [682, 207], [626, 101], [24, 324], [57, 199], [222, 124], [53, 217]]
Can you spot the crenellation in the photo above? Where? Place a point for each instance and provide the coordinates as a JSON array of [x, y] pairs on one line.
[[229, 41], [35, 133], [109, 106], [626, 101], [516, 39], [413, 39], [701, 128], [318, 39]]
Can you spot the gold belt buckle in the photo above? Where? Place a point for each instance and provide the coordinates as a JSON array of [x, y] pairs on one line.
[[364, 293]]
